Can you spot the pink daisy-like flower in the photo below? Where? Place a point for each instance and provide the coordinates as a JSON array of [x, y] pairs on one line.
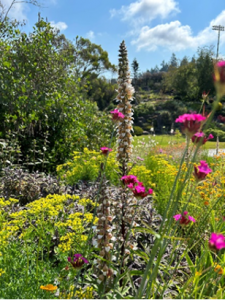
[[200, 137], [105, 150], [117, 115], [217, 241], [191, 123], [200, 172], [184, 219], [78, 261]]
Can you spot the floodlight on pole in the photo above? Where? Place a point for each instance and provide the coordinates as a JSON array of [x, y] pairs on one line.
[[218, 28]]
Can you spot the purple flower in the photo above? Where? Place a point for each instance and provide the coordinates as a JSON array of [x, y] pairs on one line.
[[140, 158], [78, 261], [184, 219]]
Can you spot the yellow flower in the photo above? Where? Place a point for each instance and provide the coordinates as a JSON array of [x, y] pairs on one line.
[[197, 274], [48, 287], [218, 269]]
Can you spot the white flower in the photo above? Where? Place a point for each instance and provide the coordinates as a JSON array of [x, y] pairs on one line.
[[100, 236], [107, 249], [95, 243]]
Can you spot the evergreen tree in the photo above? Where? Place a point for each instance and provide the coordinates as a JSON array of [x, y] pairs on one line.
[[173, 61]]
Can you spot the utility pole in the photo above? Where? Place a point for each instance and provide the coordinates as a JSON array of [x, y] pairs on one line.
[[219, 28]]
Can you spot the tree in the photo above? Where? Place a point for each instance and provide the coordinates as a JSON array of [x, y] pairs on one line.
[[90, 58], [184, 61], [102, 92], [40, 100], [164, 66], [135, 68], [204, 65], [5, 10], [182, 80], [173, 61]]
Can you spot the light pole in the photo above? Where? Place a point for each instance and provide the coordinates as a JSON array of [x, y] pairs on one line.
[[219, 28]]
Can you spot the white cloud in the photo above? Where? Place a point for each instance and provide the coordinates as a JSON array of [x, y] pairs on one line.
[[59, 25], [146, 10], [17, 11], [176, 37], [90, 35]]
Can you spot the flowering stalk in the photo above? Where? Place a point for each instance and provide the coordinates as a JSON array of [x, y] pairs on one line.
[[125, 96], [104, 235], [124, 211]]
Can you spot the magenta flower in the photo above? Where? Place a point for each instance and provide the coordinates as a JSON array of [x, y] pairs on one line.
[[139, 192], [183, 219], [130, 185], [201, 171], [116, 115], [78, 261], [200, 137], [191, 123], [216, 241], [127, 179], [219, 77], [220, 72], [105, 150]]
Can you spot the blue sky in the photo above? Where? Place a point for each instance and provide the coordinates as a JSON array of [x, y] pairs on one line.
[[152, 29]]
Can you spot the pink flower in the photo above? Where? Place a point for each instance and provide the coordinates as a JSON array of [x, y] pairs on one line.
[[116, 115], [191, 123], [130, 185], [105, 150], [200, 137], [183, 219], [220, 72], [216, 241], [139, 191], [140, 158], [219, 77], [78, 261], [201, 171], [127, 179]]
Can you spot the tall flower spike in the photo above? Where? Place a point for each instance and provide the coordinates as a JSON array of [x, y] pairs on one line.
[[104, 235], [125, 96]]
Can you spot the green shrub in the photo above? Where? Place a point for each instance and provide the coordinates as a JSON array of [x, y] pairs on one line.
[[215, 133], [86, 165], [138, 130]]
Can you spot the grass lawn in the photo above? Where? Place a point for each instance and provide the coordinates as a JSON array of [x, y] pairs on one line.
[[166, 140]]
